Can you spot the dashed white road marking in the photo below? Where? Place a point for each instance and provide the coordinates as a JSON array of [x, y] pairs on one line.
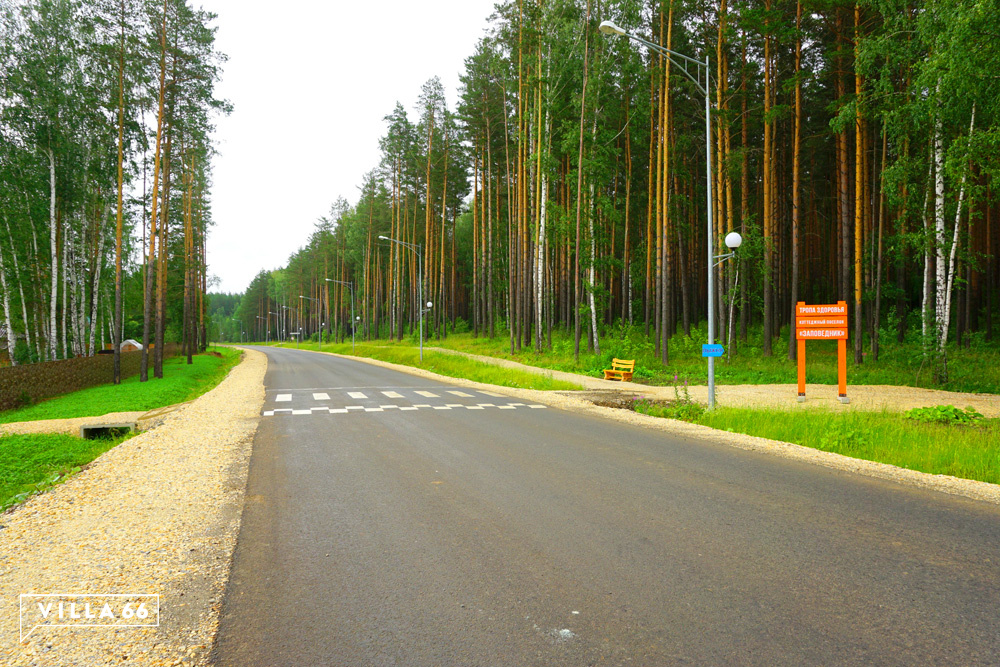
[[475, 407], [301, 412], [374, 410], [459, 393], [442, 407], [507, 407], [321, 397], [392, 394], [486, 405], [283, 398], [411, 407], [537, 407], [490, 393], [338, 411], [427, 394], [356, 394]]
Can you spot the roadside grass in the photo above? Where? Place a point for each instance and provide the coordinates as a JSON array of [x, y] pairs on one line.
[[966, 451], [180, 383], [30, 464], [449, 365], [975, 369]]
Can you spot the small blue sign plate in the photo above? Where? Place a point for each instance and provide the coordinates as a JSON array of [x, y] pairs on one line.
[[712, 350]]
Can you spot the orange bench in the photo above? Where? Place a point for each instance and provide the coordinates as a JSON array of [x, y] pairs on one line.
[[621, 369]]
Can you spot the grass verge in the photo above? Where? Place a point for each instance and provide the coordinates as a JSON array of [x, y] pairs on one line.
[[180, 383], [966, 451], [451, 365], [30, 464]]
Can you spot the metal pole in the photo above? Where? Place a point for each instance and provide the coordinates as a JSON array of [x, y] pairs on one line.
[[711, 233], [420, 306], [353, 321]]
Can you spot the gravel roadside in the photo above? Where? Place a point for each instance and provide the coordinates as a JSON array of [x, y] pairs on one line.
[[158, 514]]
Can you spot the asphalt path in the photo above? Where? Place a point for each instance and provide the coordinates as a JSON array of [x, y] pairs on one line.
[[477, 530]]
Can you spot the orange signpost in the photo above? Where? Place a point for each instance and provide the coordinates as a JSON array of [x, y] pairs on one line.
[[822, 322]]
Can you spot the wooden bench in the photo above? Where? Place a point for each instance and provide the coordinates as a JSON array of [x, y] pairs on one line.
[[621, 369]]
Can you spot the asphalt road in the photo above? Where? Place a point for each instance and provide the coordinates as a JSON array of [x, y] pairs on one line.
[[513, 535]]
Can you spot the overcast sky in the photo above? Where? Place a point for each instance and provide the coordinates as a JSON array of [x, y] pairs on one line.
[[311, 82]]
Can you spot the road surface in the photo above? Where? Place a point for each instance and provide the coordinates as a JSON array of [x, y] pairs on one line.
[[392, 520]]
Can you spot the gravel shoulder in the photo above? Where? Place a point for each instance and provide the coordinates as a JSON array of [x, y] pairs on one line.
[[157, 514]]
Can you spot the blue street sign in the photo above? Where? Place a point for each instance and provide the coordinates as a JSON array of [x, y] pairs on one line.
[[712, 350]]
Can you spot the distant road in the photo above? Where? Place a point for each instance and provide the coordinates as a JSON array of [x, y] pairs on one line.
[[392, 520]]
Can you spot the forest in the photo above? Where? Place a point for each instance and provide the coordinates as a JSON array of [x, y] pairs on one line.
[[853, 146], [106, 111]]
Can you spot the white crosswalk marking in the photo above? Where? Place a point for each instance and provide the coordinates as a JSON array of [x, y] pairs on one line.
[[321, 397], [382, 408], [356, 394], [427, 394], [459, 393], [392, 394]]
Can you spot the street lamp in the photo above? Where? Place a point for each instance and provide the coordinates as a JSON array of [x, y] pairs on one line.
[[703, 86], [416, 247], [319, 338], [351, 286], [268, 337]]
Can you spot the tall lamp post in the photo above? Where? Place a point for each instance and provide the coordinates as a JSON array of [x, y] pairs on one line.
[[320, 336], [415, 247], [268, 335], [704, 86], [350, 284]]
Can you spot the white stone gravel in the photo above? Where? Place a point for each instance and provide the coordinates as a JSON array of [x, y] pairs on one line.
[[157, 514]]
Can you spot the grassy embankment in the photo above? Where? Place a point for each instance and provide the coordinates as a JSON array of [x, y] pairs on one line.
[[967, 449], [33, 463]]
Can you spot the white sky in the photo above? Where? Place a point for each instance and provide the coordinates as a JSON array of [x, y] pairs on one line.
[[311, 82]]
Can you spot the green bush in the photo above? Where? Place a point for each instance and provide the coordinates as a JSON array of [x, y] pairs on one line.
[[945, 414]]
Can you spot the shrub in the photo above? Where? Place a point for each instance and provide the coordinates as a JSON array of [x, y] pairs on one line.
[[945, 414]]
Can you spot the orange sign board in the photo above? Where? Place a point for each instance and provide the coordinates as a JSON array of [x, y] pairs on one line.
[[820, 322], [839, 308]]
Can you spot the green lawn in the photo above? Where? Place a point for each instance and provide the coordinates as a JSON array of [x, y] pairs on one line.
[[970, 452], [33, 463], [180, 383]]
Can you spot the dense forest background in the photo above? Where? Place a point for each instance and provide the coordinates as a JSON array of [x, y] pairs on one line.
[[853, 147], [105, 174]]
